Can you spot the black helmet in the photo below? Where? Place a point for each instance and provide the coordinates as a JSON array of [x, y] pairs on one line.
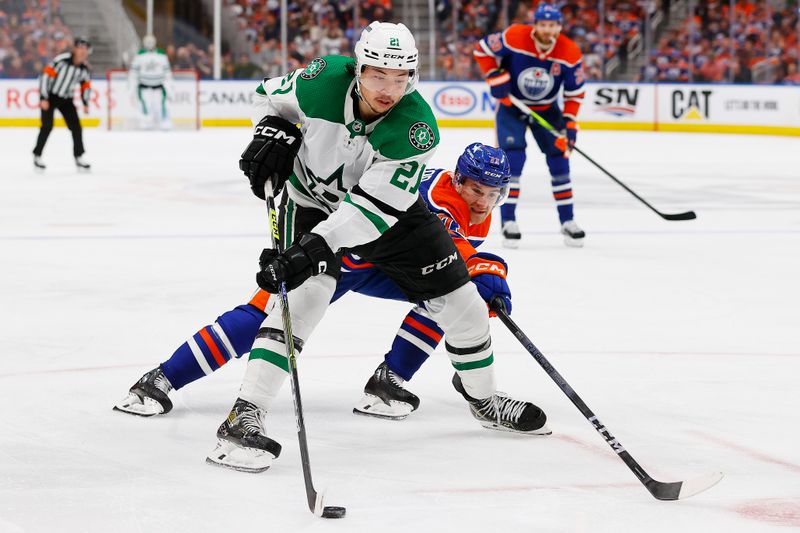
[[83, 41]]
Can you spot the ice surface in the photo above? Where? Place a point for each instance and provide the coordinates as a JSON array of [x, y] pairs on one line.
[[681, 336]]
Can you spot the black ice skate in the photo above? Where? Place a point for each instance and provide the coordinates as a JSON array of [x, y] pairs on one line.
[[385, 397], [243, 442], [573, 234], [82, 164], [511, 234], [503, 413], [38, 164], [148, 396]]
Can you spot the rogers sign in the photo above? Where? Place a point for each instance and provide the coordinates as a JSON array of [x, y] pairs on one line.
[[454, 100]]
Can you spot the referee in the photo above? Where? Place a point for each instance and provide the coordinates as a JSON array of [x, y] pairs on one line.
[[56, 88]]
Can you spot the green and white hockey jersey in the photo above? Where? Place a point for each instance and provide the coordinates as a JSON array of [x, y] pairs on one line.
[[365, 175], [150, 68]]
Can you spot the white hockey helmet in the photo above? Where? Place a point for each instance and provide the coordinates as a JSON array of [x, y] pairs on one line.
[[388, 45], [149, 42]]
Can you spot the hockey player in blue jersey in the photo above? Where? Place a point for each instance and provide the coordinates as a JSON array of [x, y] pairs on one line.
[[533, 63], [463, 201]]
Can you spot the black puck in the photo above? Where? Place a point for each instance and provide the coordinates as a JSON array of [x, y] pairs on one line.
[[333, 512]]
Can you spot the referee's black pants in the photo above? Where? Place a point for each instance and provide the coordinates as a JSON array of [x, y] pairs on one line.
[[70, 114]]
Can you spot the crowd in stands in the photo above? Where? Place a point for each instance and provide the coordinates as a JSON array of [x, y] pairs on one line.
[[761, 45], [314, 28], [31, 33], [599, 44]]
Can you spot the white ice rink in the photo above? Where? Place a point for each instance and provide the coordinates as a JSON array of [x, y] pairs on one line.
[[681, 336]]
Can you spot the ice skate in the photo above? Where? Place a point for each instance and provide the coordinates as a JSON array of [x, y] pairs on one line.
[[82, 164], [503, 413], [511, 234], [385, 397], [243, 443], [573, 234], [38, 164], [148, 396]]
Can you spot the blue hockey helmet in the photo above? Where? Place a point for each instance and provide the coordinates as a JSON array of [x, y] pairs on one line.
[[485, 164], [545, 11]]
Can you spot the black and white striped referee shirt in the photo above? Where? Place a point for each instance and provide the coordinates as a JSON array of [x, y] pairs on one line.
[[60, 78]]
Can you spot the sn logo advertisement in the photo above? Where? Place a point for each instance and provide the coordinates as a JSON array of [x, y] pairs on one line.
[[617, 101]]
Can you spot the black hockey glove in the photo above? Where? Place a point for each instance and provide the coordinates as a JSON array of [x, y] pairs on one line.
[[271, 153], [309, 256]]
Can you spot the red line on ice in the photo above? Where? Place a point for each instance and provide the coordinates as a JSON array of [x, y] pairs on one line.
[[756, 454]]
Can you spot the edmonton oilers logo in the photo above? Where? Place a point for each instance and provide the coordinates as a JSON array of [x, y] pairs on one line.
[[535, 82]]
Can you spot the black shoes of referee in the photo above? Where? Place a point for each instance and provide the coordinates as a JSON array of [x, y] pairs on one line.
[[80, 162]]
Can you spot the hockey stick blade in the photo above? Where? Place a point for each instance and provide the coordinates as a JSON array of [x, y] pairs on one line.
[[688, 215], [680, 490], [327, 511]]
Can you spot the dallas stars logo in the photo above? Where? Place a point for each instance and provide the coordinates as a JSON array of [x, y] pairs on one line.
[[313, 69], [421, 137], [331, 189]]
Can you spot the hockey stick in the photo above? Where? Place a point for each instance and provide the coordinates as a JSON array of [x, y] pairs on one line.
[[678, 490], [315, 499], [688, 215]]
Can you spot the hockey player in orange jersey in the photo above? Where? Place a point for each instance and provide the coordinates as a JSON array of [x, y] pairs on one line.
[[463, 200], [533, 63]]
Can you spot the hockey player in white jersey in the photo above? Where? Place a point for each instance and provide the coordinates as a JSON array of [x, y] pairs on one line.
[[149, 83], [352, 171]]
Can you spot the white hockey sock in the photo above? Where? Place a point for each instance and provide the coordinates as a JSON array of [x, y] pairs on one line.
[[268, 365], [463, 316]]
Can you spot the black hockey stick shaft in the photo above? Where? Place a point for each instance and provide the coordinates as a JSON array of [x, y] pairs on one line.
[[660, 490], [688, 215], [311, 493]]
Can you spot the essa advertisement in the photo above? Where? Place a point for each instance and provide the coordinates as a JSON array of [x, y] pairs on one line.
[[460, 103]]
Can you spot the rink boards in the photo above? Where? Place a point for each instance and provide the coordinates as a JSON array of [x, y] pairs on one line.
[[713, 108]]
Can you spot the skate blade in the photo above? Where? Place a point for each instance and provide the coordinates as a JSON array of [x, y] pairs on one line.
[[541, 432], [133, 405], [373, 414], [573, 243], [511, 243], [241, 459], [373, 406]]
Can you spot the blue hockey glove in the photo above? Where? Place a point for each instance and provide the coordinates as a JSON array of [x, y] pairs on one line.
[[499, 85], [572, 133], [569, 135], [488, 272]]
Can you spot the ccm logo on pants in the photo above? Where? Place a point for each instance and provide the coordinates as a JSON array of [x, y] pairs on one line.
[[438, 265]]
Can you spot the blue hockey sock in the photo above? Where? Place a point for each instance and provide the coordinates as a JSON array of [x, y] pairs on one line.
[[562, 194], [508, 211], [214, 345], [415, 341]]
